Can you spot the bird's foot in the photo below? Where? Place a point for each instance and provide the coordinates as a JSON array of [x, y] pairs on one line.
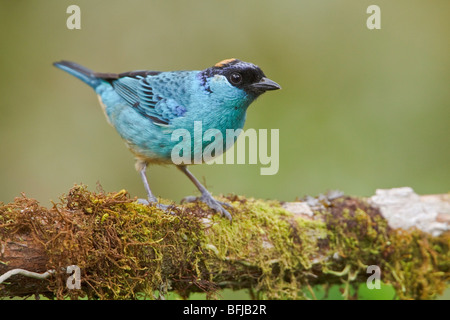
[[161, 206], [214, 204]]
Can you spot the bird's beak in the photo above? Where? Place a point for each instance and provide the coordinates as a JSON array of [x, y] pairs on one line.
[[265, 84]]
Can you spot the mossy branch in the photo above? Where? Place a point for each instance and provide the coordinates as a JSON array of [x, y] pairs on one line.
[[126, 250]]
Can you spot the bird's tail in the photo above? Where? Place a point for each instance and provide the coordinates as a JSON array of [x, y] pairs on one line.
[[84, 74]]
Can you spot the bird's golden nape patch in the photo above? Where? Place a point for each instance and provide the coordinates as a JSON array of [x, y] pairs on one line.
[[224, 62]]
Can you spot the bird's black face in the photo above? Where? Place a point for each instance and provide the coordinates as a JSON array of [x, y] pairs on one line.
[[243, 75]]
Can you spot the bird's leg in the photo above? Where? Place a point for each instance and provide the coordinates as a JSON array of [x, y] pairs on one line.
[[151, 198], [206, 197]]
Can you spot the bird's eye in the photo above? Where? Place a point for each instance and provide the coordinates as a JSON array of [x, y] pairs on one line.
[[235, 78]]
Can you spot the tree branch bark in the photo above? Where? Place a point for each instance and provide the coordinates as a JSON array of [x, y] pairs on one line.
[[125, 250]]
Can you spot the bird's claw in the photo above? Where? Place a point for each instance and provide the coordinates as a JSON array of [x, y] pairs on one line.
[[214, 204], [161, 206]]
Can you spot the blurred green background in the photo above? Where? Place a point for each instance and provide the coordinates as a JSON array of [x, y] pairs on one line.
[[360, 109]]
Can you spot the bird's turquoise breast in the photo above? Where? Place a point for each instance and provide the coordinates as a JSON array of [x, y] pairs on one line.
[[220, 107]]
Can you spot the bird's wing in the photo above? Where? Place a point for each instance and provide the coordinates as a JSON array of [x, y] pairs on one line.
[[157, 104]]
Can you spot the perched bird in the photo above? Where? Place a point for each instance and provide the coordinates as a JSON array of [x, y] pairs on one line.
[[145, 107]]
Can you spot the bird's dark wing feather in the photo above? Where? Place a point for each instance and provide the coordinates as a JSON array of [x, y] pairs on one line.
[[136, 90]]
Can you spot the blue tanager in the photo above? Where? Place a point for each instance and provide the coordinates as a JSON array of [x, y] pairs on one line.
[[146, 107]]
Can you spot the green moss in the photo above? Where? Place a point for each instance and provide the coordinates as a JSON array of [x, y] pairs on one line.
[[127, 250], [267, 242], [413, 262]]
